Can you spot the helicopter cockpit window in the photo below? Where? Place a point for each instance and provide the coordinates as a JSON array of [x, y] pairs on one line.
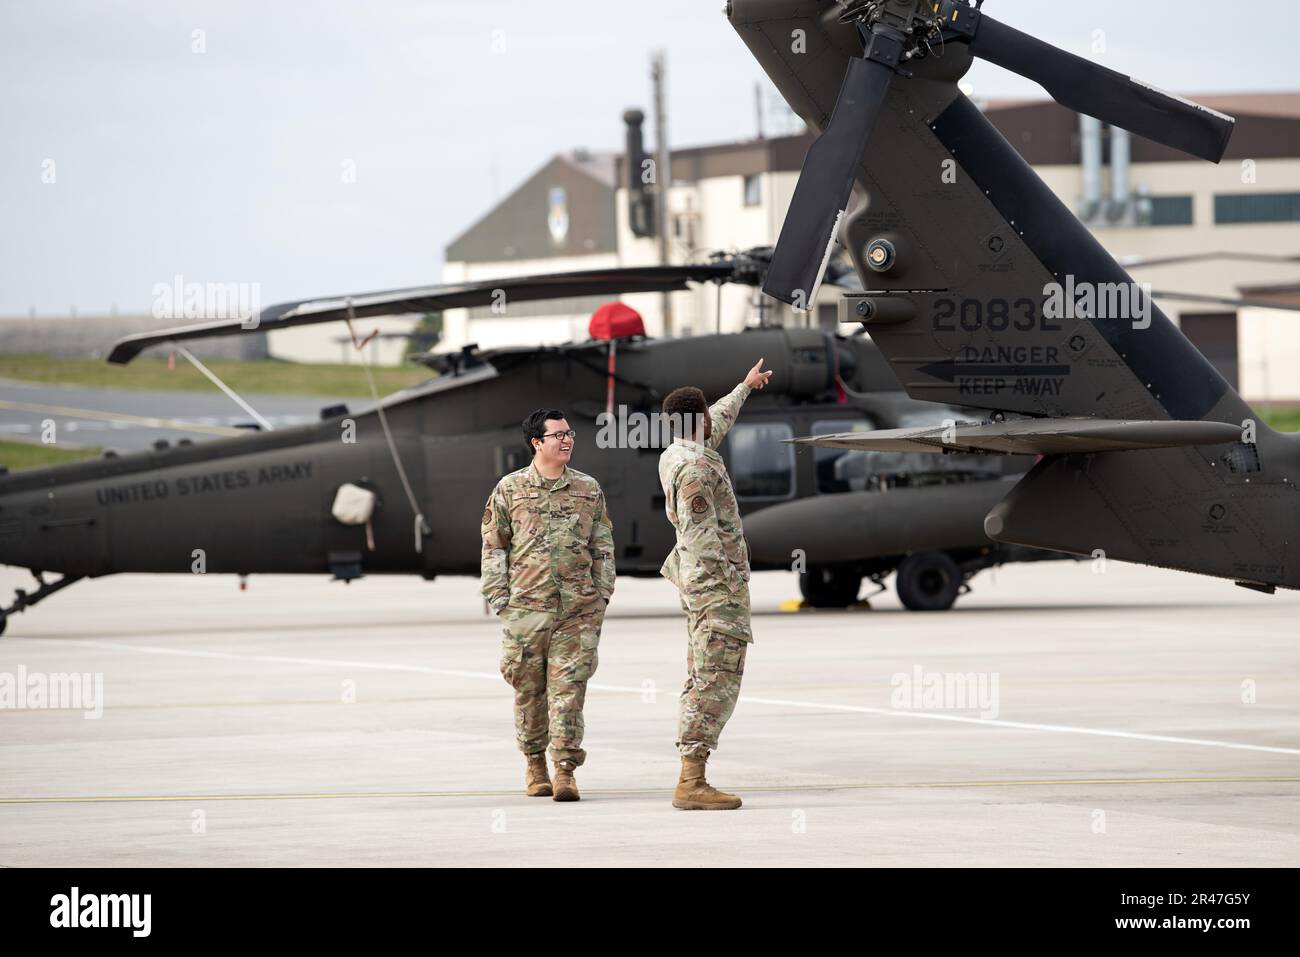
[[922, 468], [762, 466], [840, 470]]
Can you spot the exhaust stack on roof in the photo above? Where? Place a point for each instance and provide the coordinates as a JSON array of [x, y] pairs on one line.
[[640, 200]]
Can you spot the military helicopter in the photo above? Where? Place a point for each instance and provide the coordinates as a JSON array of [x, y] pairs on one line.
[[397, 488], [986, 289], [266, 502]]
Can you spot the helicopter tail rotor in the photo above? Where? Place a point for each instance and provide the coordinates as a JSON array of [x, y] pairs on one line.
[[1086, 87], [894, 32], [825, 184]]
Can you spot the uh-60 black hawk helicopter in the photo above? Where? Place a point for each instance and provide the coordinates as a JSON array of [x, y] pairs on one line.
[[270, 502], [398, 488], [1147, 454]]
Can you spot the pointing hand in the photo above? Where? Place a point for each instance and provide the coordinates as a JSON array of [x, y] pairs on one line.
[[757, 379]]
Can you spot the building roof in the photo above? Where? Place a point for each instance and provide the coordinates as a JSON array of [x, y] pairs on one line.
[[1047, 134], [1283, 294], [566, 208], [1281, 103], [599, 166], [1285, 104]]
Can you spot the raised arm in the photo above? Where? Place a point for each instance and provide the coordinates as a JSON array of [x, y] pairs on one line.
[[726, 410]]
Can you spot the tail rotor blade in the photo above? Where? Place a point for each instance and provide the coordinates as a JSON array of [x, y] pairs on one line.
[[825, 184], [1114, 98]]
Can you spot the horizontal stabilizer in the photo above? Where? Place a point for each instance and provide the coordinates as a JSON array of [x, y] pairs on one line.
[[1035, 437]]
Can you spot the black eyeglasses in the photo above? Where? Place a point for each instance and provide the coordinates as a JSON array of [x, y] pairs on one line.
[[561, 435]]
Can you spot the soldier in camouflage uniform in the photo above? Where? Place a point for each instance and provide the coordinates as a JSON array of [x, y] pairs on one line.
[[548, 572], [710, 567]]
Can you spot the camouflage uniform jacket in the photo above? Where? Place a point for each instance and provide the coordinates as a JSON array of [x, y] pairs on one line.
[[710, 562], [548, 545]]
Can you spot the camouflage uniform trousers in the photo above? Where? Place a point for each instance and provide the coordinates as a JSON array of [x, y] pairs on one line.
[[548, 660], [718, 633]]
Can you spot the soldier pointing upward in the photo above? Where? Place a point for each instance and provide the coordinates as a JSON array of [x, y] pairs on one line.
[[710, 567]]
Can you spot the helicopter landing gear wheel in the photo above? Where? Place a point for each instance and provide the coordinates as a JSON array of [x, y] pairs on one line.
[[928, 581], [825, 587]]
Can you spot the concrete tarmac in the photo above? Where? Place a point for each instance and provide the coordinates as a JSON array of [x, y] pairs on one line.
[[1127, 717], [132, 420]]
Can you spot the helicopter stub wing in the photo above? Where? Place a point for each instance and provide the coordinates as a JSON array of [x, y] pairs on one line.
[[1069, 436]]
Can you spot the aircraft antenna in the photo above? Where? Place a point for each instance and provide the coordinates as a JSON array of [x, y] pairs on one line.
[[193, 360], [421, 527]]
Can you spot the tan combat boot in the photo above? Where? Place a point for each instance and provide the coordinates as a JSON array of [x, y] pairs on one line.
[[696, 794], [566, 789], [536, 779]]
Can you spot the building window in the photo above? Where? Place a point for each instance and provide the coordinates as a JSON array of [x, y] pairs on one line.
[[839, 470], [1171, 210], [753, 190], [762, 466], [1257, 208]]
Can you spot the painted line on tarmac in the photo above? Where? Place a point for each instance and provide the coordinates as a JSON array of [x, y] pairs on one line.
[[144, 420], [1022, 725], [765, 789], [744, 699]]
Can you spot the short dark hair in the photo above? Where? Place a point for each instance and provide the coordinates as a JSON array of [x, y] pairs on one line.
[[685, 407], [535, 425]]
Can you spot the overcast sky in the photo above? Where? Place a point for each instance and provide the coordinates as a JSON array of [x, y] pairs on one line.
[[228, 165]]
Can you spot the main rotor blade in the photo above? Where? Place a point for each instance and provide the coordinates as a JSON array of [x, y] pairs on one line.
[[825, 184], [1114, 98], [396, 302]]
